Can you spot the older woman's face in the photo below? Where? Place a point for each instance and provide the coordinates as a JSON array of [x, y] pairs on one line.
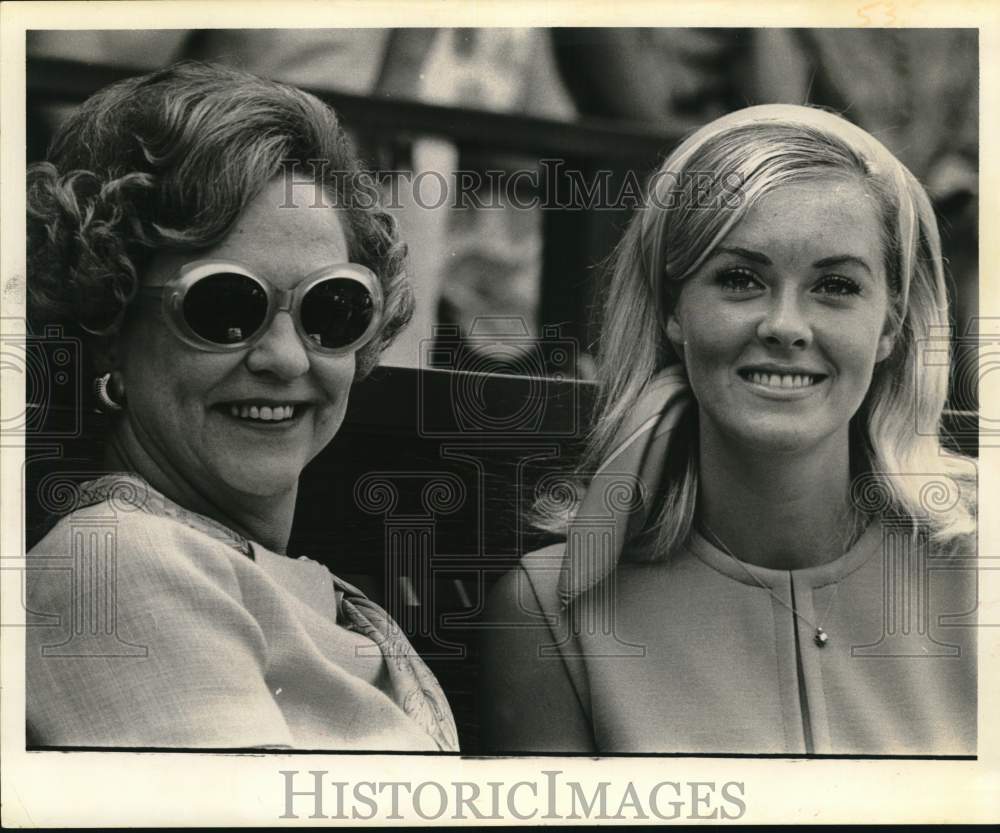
[[180, 400], [780, 329]]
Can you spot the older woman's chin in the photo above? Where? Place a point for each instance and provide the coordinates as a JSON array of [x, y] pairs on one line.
[[262, 462], [262, 476]]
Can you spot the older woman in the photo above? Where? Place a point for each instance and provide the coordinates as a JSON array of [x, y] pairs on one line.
[[767, 557], [227, 309]]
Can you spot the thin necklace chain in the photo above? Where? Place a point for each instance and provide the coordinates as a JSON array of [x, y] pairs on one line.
[[820, 636]]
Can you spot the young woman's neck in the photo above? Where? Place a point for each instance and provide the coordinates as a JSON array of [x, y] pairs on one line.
[[264, 519], [780, 510]]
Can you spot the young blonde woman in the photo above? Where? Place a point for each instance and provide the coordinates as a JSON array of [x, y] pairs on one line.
[[772, 554]]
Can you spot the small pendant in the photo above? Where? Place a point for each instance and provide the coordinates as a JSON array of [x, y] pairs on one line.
[[821, 638]]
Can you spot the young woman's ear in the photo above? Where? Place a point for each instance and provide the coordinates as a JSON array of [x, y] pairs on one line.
[[885, 344], [675, 332]]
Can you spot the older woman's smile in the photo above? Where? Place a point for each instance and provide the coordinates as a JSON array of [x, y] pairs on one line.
[[265, 413], [264, 409]]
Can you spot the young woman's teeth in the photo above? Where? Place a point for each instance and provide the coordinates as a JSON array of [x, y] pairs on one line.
[[267, 413], [782, 380]]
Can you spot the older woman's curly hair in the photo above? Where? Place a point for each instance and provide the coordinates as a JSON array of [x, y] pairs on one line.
[[169, 160]]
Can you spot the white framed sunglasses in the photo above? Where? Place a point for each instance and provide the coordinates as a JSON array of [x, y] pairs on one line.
[[221, 306]]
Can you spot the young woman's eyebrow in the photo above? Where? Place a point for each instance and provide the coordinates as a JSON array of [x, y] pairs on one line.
[[840, 260], [760, 257], [748, 254]]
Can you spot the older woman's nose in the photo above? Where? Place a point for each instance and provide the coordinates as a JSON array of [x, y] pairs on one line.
[[280, 350], [785, 323]]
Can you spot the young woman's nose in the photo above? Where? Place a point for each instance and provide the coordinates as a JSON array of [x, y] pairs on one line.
[[280, 350], [785, 323]]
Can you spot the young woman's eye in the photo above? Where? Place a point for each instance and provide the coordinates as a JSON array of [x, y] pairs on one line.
[[838, 285], [738, 280]]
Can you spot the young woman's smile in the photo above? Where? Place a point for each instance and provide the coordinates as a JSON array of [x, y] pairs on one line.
[[781, 327]]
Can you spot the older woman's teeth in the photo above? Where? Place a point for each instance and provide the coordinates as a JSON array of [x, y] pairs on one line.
[[782, 380], [266, 413]]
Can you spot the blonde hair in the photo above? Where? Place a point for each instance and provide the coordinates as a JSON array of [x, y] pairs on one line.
[[702, 190]]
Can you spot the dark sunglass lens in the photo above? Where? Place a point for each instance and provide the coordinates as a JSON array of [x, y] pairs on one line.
[[337, 312], [225, 308]]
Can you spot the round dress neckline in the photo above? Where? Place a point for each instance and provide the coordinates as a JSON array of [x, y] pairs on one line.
[[831, 572], [147, 498]]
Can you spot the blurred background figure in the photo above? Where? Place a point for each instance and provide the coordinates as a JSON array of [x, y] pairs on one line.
[[489, 263]]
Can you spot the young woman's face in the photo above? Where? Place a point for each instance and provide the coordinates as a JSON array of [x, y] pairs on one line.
[[219, 420], [781, 327]]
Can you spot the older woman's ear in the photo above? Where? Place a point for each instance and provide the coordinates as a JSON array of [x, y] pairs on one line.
[[105, 353], [106, 363]]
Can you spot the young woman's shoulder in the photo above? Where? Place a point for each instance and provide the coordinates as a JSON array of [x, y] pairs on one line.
[[533, 695], [531, 588]]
